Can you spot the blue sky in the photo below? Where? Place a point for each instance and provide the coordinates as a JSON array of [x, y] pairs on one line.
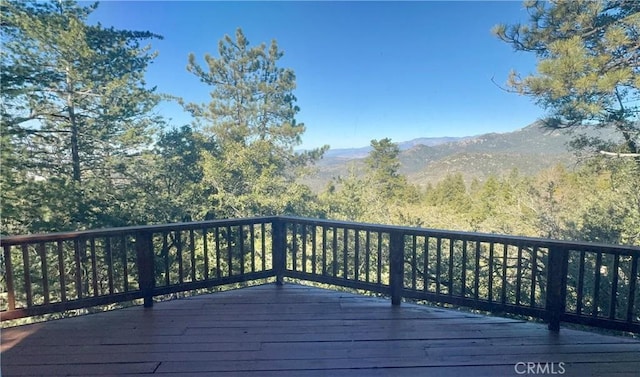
[[365, 70]]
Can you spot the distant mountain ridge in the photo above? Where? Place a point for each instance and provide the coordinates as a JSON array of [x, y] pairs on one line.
[[362, 152], [427, 160]]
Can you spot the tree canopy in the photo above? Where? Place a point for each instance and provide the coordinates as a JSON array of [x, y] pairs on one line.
[[76, 114], [252, 116], [588, 71]]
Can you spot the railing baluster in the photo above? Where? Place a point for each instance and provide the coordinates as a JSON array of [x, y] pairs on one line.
[[534, 268], [241, 241], [438, 263], [425, 277], [596, 288], [490, 283], [218, 268], [45, 273], [192, 249], [11, 292], [450, 285], [179, 256], [379, 257], [614, 287], [356, 264], [27, 275], [345, 254], [205, 250], [263, 246], [580, 292], [85, 268], [62, 271], [324, 250], [314, 249], [109, 260], [463, 278], [503, 294], [632, 287], [94, 267], [304, 248], [125, 263], [334, 244], [76, 249], [253, 247], [414, 263], [367, 256], [165, 255], [294, 246], [476, 277], [229, 252], [519, 276]]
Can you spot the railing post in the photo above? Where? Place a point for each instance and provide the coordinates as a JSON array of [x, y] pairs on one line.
[[278, 249], [396, 266], [11, 293], [557, 269], [146, 266]]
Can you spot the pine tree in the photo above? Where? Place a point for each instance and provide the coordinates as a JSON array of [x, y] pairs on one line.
[[588, 66], [252, 119], [76, 111], [383, 166]]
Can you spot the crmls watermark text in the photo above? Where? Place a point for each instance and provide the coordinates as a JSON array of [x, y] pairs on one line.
[[539, 368]]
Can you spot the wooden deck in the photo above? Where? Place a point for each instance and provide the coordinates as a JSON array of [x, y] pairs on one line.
[[297, 330]]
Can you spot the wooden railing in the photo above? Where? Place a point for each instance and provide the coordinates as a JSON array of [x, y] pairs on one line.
[[67, 271], [555, 281]]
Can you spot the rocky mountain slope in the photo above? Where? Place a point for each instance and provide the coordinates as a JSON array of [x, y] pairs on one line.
[[428, 160]]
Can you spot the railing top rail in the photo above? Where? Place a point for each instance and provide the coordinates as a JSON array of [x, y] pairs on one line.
[[61, 236], [472, 236], [457, 235]]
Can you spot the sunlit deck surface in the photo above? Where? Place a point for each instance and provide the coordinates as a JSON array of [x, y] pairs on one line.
[[296, 330]]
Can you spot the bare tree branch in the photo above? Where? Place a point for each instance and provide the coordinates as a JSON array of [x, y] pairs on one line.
[[619, 155]]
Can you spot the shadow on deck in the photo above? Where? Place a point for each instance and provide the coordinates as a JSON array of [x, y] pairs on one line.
[[296, 330]]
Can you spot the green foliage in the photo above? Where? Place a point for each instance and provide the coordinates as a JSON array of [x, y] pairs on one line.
[[172, 184], [597, 202], [588, 71], [252, 118], [451, 191], [382, 195], [349, 198], [78, 149], [75, 112], [609, 207], [383, 165]]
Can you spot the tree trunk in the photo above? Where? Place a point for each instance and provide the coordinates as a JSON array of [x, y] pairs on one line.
[[75, 154]]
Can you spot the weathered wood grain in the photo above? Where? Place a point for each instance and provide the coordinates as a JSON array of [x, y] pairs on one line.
[[297, 330]]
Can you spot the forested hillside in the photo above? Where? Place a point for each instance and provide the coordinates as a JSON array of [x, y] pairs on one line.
[[82, 147], [428, 161]]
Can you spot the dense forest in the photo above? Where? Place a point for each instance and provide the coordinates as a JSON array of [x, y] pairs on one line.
[[82, 147]]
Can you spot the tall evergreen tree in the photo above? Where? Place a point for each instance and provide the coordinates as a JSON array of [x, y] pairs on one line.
[[252, 118], [588, 66], [383, 166], [76, 112]]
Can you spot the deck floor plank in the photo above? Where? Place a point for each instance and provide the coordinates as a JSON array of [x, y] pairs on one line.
[[297, 330]]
